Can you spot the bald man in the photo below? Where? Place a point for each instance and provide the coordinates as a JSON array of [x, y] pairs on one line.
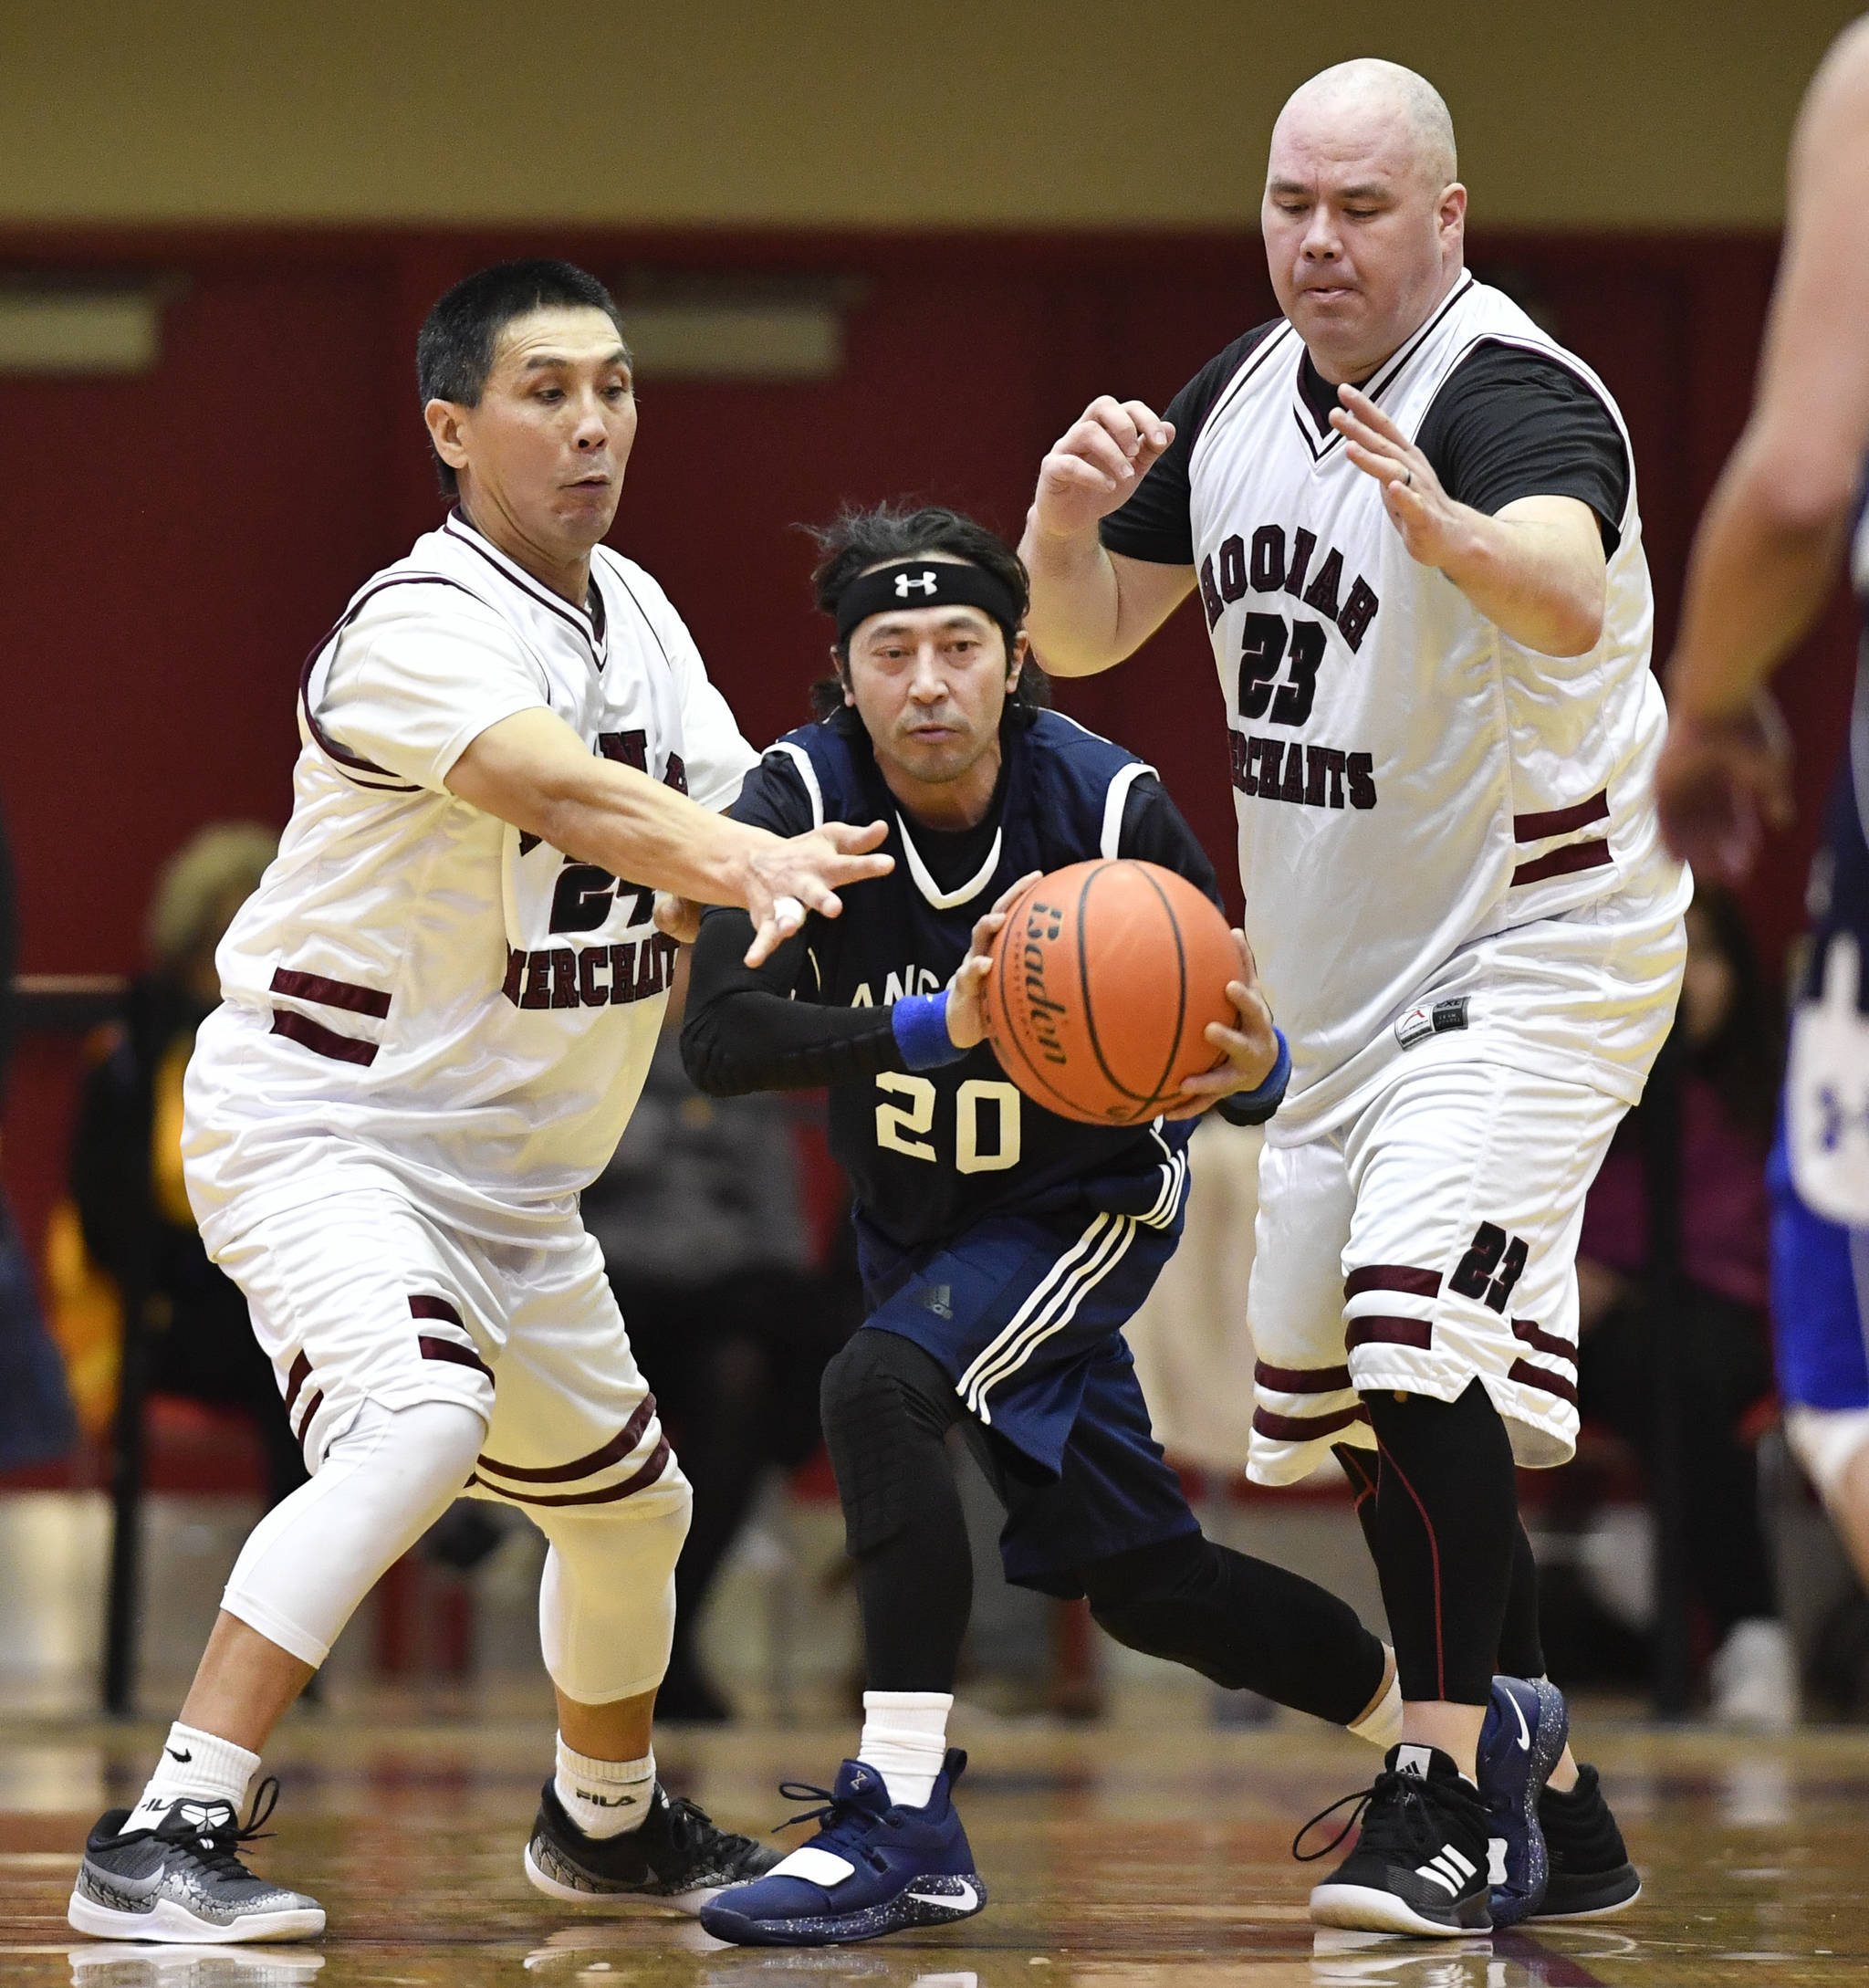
[[1409, 517]]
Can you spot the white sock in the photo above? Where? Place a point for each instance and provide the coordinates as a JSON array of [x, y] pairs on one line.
[[905, 1740], [605, 1798], [1382, 1724], [194, 1766]]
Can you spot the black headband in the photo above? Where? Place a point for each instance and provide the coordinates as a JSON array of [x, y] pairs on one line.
[[924, 583]]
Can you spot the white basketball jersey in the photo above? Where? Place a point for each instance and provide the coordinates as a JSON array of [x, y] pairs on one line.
[[1407, 778], [417, 988]]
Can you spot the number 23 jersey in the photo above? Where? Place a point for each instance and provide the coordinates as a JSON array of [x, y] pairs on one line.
[[417, 988]]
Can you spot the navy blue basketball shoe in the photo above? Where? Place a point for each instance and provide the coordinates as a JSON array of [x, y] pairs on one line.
[[1526, 1727], [872, 1868]]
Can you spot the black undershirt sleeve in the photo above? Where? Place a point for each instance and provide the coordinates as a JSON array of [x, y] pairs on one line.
[[761, 1028], [1155, 524], [1510, 423]]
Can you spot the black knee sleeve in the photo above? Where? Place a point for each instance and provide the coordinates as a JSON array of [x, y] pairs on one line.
[[1242, 1622], [886, 1405]]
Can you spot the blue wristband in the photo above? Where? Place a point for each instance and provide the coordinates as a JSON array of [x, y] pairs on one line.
[[1273, 1088], [920, 1021]]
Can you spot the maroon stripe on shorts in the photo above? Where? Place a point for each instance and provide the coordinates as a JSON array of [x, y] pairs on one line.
[[1418, 1283], [613, 1451], [1389, 1332], [658, 1461], [453, 1352], [1305, 1428], [311, 1408], [1529, 1376], [1534, 828], [427, 1307], [314, 1035], [1562, 861], [1301, 1380], [329, 993], [295, 1380], [1543, 1342]]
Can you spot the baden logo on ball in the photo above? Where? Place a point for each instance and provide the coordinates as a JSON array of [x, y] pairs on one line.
[[1105, 978]]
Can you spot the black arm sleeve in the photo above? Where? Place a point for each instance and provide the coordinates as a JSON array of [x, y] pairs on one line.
[[1154, 524], [744, 1031], [1510, 424]]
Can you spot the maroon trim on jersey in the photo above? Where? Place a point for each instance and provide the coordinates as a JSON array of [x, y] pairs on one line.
[[517, 576], [613, 1451], [1562, 861], [295, 1379], [1543, 1378], [1305, 1428], [348, 763], [640, 1480], [1534, 828], [454, 1352], [330, 993], [1250, 364], [1541, 1340], [1389, 1332], [311, 1408], [1301, 1380], [314, 1036], [426, 1307], [1416, 1284], [1376, 388]]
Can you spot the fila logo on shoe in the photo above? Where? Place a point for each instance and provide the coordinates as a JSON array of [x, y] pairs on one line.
[[1447, 1867], [607, 1801]]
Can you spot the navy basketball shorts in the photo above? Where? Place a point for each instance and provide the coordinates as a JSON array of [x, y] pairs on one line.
[[1820, 1305], [1025, 1318]]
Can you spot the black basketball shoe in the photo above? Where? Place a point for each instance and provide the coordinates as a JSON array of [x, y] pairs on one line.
[[1590, 1873], [676, 1859], [1421, 1864], [183, 1881]]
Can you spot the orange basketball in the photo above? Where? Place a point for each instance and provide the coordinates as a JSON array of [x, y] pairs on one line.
[[1105, 977]]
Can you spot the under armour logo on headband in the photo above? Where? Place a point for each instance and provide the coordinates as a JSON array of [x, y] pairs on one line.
[[903, 581]]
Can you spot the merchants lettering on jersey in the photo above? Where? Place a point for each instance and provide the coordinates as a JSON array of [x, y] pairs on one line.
[[590, 976], [1307, 776], [1270, 566]]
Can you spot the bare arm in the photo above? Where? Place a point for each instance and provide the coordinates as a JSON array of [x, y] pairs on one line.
[[1092, 608], [1766, 554], [533, 771], [1535, 569]]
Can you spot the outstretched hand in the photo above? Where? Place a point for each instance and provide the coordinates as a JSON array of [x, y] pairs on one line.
[[967, 992], [1250, 1051], [788, 879], [1096, 464], [1434, 528]]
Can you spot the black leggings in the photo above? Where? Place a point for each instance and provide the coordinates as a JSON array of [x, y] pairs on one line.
[[1242, 1622]]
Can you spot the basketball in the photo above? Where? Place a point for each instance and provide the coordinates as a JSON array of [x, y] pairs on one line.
[[1105, 976]]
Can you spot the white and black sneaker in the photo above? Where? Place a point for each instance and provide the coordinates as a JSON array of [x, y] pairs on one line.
[[1423, 1861], [676, 1859], [183, 1881]]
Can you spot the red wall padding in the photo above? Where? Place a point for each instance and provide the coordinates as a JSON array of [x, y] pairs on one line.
[[171, 547]]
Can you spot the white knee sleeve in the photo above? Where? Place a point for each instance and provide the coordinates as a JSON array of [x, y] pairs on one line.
[[315, 1554], [1826, 1441], [607, 1602]]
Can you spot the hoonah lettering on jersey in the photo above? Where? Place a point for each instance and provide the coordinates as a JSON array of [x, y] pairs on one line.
[[1271, 564], [1307, 776], [590, 976]]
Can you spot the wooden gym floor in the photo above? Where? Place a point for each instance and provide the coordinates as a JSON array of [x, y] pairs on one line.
[[1151, 1852]]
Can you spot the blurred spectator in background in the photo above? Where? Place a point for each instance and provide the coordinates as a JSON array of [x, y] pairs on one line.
[[126, 1160], [702, 1220], [1728, 1096], [35, 1419]]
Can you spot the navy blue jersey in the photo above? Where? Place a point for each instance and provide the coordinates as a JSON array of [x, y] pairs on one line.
[[929, 1153]]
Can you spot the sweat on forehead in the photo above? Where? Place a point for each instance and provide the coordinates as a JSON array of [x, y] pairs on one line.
[[1369, 91]]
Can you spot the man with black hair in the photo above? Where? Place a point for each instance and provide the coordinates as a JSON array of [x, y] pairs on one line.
[[1002, 1246], [439, 1007]]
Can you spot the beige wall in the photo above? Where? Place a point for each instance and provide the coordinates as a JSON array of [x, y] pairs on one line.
[[1627, 113]]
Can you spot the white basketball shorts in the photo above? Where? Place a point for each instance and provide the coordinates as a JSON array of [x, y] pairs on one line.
[[1431, 1240], [363, 1296]]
